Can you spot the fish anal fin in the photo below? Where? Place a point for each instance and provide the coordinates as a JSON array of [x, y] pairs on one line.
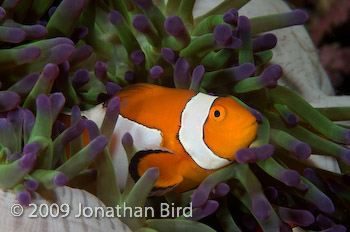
[[166, 162]]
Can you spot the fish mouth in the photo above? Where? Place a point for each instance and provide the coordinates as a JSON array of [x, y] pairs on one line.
[[244, 130], [253, 123], [248, 129]]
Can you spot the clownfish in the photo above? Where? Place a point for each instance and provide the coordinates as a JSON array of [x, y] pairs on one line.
[[186, 134]]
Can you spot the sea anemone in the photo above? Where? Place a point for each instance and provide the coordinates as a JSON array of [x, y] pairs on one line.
[[58, 58]]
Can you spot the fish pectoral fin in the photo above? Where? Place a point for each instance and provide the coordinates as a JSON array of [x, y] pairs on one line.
[[165, 161]]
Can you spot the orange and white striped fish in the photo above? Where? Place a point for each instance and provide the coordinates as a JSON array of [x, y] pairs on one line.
[[186, 134]]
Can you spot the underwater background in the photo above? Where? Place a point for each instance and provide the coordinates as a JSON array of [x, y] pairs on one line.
[[329, 27], [68, 56]]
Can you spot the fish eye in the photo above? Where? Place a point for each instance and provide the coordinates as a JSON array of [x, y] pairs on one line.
[[217, 113]]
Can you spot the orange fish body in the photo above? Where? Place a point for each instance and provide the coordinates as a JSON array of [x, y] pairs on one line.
[[186, 134]]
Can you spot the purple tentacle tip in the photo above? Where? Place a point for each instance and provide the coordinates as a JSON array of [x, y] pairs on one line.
[[223, 34], [345, 156], [275, 71], [16, 35], [143, 4], [197, 77], [43, 103], [254, 154], [79, 33], [264, 152], [60, 179], [231, 17], [155, 72], [30, 53], [169, 55], [249, 223], [174, 26], [28, 117], [265, 42], [63, 69], [99, 143], [198, 72], [24, 198], [298, 17], [233, 11], [140, 23], [32, 147], [50, 71], [291, 119], [31, 185], [115, 17], [182, 75], [336, 228], [58, 128], [209, 208], [15, 116], [63, 51], [284, 227], [270, 39], [80, 77], [261, 207], [200, 197], [75, 113], [221, 190], [57, 100], [112, 88], [245, 70], [301, 150], [37, 32], [2, 13], [334, 186], [113, 107], [138, 57], [92, 128], [324, 222], [272, 85], [51, 11], [127, 139], [129, 76], [8, 100], [27, 161], [271, 74], [256, 114], [312, 176], [100, 69], [296, 216], [290, 177], [303, 187], [153, 173], [324, 203], [271, 193], [243, 24], [245, 155]]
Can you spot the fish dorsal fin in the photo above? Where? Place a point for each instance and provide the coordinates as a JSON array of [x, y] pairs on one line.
[[140, 88], [98, 112]]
